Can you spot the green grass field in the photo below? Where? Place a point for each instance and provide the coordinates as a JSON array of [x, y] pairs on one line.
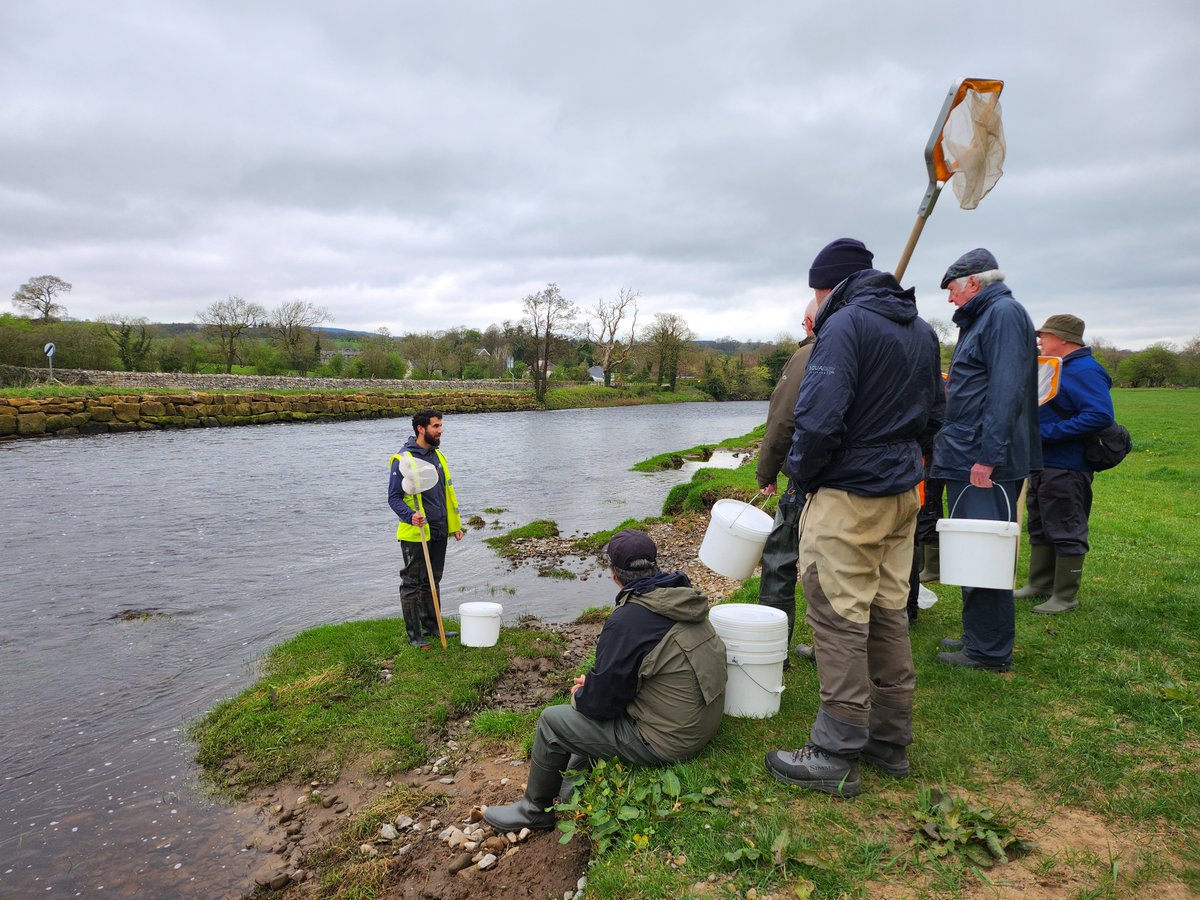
[[1100, 716]]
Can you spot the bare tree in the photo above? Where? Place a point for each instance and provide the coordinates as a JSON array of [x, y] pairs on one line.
[[942, 329], [292, 327], [669, 336], [548, 315], [608, 316], [36, 297], [132, 337], [228, 321]]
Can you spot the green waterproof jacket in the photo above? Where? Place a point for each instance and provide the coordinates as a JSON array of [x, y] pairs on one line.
[[681, 682]]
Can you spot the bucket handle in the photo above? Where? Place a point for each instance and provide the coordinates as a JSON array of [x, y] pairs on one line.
[[767, 690], [751, 503], [1007, 505]]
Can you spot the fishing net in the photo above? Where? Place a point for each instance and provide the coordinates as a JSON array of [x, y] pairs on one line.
[[966, 147], [419, 476], [970, 152]]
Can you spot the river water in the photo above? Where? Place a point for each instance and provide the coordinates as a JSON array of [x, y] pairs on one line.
[[237, 539]]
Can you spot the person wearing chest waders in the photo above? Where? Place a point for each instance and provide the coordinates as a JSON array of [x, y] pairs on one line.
[[655, 695], [434, 512]]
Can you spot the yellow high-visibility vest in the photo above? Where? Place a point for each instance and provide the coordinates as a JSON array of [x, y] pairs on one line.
[[406, 532]]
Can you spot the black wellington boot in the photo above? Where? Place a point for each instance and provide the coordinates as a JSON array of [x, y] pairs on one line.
[[410, 608]]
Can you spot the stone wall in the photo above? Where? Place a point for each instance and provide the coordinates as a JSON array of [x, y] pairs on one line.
[[185, 382], [22, 417]]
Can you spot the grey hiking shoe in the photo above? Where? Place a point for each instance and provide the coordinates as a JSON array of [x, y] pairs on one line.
[[891, 759], [805, 651], [951, 645], [813, 768]]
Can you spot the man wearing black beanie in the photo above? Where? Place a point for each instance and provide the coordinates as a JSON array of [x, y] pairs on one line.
[[871, 395]]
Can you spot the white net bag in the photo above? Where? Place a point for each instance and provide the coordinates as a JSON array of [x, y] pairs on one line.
[[973, 144]]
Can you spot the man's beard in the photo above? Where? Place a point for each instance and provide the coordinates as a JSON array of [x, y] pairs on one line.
[[433, 441]]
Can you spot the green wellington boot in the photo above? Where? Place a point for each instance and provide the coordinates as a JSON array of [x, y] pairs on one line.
[[1068, 573], [932, 569], [534, 809], [1041, 573]]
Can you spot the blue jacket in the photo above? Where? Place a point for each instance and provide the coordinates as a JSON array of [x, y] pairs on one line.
[[991, 394], [871, 393], [1081, 407]]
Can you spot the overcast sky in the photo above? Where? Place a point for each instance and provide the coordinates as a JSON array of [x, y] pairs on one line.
[[421, 166]]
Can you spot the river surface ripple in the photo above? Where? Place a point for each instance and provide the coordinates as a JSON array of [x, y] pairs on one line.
[[241, 537]]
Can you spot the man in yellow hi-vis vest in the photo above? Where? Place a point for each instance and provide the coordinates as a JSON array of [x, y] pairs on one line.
[[434, 512]]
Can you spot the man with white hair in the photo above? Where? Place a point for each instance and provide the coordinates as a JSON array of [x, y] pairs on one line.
[[989, 438]]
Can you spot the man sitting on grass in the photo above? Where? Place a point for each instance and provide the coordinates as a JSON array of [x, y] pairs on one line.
[[655, 695]]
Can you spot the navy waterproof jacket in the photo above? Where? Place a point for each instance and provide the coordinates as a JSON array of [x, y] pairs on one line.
[[1082, 406], [992, 393], [871, 393]]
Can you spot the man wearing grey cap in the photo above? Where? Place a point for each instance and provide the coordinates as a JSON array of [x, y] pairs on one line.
[[1060, 496], [655, 695], [989, 443]]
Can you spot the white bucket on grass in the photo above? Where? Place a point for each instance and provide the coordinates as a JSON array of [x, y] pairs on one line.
[[980, 553], [755, 647], [733, 543], [479, 623]]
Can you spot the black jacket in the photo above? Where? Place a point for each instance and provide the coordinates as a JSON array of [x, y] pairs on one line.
[[872, 393]]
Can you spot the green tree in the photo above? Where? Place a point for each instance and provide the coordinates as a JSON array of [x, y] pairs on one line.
[[132, 338], [1155, 366], [669, 335], [38, 297]]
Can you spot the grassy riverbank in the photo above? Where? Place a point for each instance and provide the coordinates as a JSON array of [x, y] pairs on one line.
[[1089, 746]]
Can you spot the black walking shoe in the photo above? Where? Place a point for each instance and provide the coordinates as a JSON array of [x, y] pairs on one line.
[[813, 768], [951, 645], [963, 661], [891, 759], [419, 643]]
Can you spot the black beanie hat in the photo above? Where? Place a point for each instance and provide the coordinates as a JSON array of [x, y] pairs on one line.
[[837, 261]]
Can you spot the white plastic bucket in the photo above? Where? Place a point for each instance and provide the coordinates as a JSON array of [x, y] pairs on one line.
[[733, 543], [479, 624], [755, 647], [979, 553]]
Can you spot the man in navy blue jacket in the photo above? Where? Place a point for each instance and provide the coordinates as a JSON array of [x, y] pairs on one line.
[[871, 393], [989, 439], [1060, 496]]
